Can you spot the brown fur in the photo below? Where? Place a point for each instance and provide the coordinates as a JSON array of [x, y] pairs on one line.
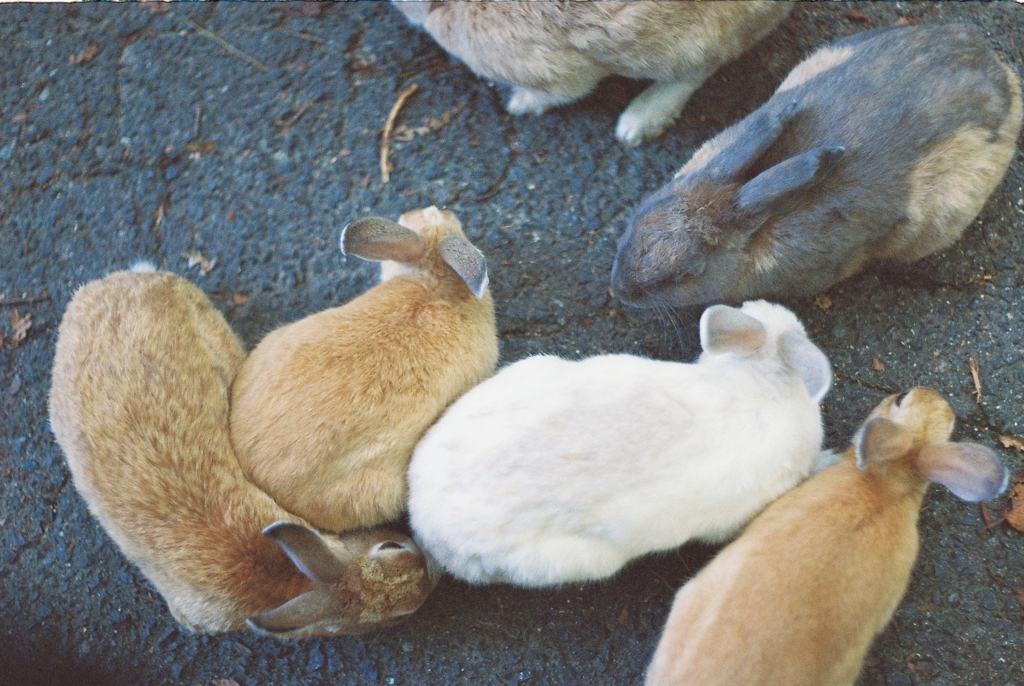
[[327, 410], [797, 599], [139, 404], [951, 183]]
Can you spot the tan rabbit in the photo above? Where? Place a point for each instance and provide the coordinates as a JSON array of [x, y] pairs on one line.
[[552, 53], [139, 404], [326, 410], [797, 599]]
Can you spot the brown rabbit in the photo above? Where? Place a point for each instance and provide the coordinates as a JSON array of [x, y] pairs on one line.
[[139, 404], [553, 53], [326, 410], [797, 599]]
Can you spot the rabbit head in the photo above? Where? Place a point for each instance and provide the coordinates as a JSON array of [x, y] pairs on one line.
[[427, 240], [695, 240], [765, 331], [362, 581], [907, 437]]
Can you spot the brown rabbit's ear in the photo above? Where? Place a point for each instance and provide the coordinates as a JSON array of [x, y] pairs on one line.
[[313, 609], [467, 261], [375, 238], [308, 552], [725, 329], [881, 440], [970, 471]]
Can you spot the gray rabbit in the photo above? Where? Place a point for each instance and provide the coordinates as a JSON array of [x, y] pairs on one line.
[[884, 145]]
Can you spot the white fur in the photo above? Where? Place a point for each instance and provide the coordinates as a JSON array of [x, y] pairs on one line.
[[652, 111], [557, 471]]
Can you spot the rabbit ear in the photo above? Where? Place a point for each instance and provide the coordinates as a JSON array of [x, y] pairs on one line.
[[809, 362], [725, 329], [749, 143], [467, 261], [881, 440], [779, 188], [375, 238], [308, 552], [970, 471], [307, 610]]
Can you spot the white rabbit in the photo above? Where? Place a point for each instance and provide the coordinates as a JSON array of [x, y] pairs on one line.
[[558, 471]]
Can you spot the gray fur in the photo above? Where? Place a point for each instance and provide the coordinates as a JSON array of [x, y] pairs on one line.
[[847, 162]]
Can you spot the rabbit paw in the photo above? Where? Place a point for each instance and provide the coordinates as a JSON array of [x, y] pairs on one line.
[[530, 101], [652, 111]]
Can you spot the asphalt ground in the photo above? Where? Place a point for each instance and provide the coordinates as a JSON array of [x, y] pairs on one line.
[[237, 167]]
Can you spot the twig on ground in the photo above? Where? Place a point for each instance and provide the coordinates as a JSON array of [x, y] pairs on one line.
[[286, 124], [228, 46], [975, 374], [385, 139], [197, 122], [25, 301]]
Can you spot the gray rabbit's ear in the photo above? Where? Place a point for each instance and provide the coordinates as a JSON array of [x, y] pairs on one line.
[[780, 187], [881, 440], [309, 611], [747, 142], [726, 329], [810, 363], [970, 471], [467, 261], [376, 238], [307, 550]]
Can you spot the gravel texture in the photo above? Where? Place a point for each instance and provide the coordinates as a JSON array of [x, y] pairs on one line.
[[163, 143]]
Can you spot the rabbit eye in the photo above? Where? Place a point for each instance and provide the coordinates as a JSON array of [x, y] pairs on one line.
[[899, 399], [389, 545]]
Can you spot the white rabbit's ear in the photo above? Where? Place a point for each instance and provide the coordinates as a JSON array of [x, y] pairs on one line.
[[809, 362], [725, 329], [881, 440], [307, 550], [467, 261], [970, 471], [375, 238]]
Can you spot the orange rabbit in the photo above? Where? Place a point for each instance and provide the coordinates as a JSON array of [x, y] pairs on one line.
[[797, 599]]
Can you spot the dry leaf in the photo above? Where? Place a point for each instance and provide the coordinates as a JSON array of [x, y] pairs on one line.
[[854, 15], [20, 325], [822, 301], [239, 298], [908, 21], [204, 148], [91, 50], [877, 365], [224, 682], [197, 258], [975, 375], [1012, 442], [158, 6], [19, 117], [623, 616], [1015, 515]]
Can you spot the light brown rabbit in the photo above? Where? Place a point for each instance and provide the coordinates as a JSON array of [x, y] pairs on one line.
[[797, 599], [552, 53], [326, 410], [139, 404]]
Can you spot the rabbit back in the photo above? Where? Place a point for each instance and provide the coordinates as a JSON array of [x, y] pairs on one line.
[[826, 577], [565, 48], [556, 471], [139, 405], [326, 410]]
